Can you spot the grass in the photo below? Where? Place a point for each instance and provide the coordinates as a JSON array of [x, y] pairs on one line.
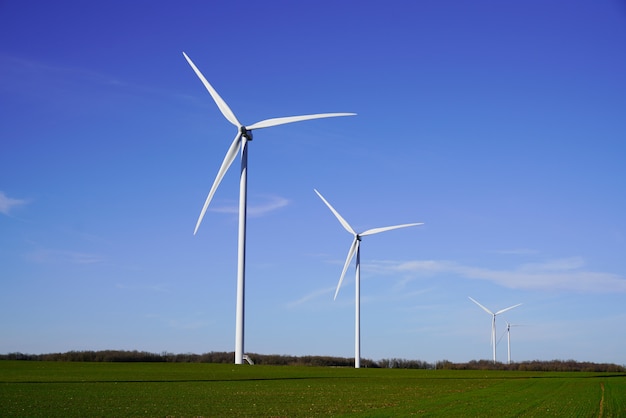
[[53, 389]]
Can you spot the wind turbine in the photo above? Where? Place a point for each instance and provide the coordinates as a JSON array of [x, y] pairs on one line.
[[244, 134], [508, 337], [493, 323], [356, 248]]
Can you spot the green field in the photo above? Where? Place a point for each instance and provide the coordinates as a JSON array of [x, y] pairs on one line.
[[63, 389]]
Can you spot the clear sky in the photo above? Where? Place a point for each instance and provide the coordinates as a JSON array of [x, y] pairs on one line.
[[500, 125]]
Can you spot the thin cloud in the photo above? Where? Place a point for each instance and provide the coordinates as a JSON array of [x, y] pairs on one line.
[[184, 324], [567, 274], [20, 67], [7, 203], [141, 288], [328, 292], [273, 203], [62, 256], [516, 251], [313, 295], [18, 74]]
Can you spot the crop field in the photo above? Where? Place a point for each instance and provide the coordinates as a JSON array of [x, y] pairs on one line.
[[68, 389]]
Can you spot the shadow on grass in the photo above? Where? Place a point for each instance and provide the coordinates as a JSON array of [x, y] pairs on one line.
[[331, 378], [254, 379]]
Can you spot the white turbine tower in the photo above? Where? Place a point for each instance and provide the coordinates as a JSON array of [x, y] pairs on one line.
[[493, 323], [356, 247], [244, 134], [508, 338]]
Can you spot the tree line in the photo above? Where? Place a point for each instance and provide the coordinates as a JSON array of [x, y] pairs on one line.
[[534, 366], [324, 361]]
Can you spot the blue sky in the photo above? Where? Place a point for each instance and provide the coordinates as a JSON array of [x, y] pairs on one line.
[[499, 125]]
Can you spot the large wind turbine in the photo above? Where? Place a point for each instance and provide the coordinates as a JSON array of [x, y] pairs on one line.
[[356, 248], [244, 134], [493, 323]]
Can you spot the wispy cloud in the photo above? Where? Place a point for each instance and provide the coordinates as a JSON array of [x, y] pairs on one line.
[[7, 203], [271, 204], [187, 325], [557, 274], [313, 295], [18, 68], [183, 324], [328, 292], [26, 76], [144, 287], [516, 251], [62, 256]]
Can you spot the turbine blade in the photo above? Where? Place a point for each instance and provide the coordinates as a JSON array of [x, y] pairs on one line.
[[485, 309], [506, 309], [343, 222], [228, 160], [221, 104], [290, 119], [353, 248], [387, 228]]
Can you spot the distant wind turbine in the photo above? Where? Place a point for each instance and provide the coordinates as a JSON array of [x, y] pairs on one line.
[[356, 248], [508, 338], [244, 134], [493, 323]]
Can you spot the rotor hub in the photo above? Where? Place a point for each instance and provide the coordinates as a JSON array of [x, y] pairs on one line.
[[246, 133]]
